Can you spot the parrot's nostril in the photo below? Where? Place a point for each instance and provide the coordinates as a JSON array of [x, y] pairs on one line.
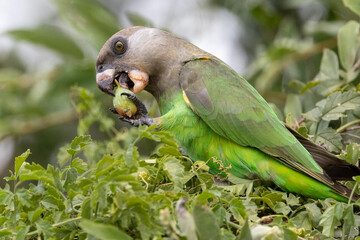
[[100, 68]]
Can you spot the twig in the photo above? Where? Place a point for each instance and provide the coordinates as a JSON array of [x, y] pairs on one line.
[[347, 125], [41, 123], [356, 65], [57, 225]]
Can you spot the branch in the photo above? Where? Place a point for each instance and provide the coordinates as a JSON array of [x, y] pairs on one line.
[[41, 123]]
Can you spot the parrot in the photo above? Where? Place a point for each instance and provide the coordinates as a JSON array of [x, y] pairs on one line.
[[215, 114]]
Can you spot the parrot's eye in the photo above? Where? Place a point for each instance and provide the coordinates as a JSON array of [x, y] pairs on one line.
[[119, 46]]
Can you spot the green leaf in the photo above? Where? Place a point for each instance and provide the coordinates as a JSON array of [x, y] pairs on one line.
[[330, 219], [36, 215], [104, 165], [302, 220], [349, 219], [330, 139], [293, 109], [86, 208], [63, 156], [71, 176], [138, 20], [348, 43], [44, 227], [131, 156], [310, 85], [335, 105], [245, 232], [50, 37], [185, 220], [21, 232], [282, 208], [5, 232], [103, 231], [329, 68], [314, 213], [92, 19], [175, 171], [206, 224], [354, 5], [34, 172], [79, 165], [20, 160], [352, 153], [78, 143], [24, 197], [237, 209]]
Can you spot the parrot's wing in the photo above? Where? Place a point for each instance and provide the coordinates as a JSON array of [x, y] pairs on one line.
[[235, 110]]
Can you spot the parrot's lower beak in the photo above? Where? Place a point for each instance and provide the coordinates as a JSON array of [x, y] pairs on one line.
[[133, 80]]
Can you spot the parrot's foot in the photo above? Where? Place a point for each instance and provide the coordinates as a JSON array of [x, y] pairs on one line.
[[141, 117]]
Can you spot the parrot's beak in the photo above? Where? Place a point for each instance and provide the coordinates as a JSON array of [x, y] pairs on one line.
[[134, 80]]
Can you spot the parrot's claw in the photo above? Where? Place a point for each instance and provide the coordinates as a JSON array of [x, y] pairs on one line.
[[141, 116], [112, 109]]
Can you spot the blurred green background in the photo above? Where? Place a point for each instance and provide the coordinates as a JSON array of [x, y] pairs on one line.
[[46, 47]]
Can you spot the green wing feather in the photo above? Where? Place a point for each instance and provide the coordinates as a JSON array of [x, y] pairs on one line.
[[235, 110]]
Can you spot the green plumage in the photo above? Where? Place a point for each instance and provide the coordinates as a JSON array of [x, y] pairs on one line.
[[216, 115]]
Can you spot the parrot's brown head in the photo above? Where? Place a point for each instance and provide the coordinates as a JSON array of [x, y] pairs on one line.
[[142, 58]]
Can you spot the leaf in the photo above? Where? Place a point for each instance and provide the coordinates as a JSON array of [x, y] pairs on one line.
[[21, 232], [44, 227], [293, 107], [282, 208], [330, 219], [206, 224], [175, 171], [20, 160], [337, 103], [349, 219], [348, 43], [104, 165], [131, 155], [50, 37], [310, 85], [334, 106], [329, 68], [352, 153], [302, 220], [103, 231], [5, 232], [79, 165], [330, 139], [354, 5], [138, 20], [185, 220], [314, 213], [245, 232], [92, 19], [237, 209], [78, 143], [71, 176]]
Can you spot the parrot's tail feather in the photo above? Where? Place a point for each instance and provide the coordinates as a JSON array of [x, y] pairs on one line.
[[335, 168]]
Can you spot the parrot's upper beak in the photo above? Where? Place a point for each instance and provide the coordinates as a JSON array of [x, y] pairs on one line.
[[134, 80]]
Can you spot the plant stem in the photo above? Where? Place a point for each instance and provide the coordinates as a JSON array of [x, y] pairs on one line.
[[352, 192], [344, 127], [57, 224], [40, 123]]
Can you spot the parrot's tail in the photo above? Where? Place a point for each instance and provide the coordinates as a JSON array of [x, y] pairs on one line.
[[335, 168]]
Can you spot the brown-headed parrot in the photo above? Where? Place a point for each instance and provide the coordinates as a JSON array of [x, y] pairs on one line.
[[215, 114]]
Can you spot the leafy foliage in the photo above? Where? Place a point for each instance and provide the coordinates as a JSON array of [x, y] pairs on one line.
[[107, 188]]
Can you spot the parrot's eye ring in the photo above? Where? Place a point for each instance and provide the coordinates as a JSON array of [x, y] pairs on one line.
[[119, 46]]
